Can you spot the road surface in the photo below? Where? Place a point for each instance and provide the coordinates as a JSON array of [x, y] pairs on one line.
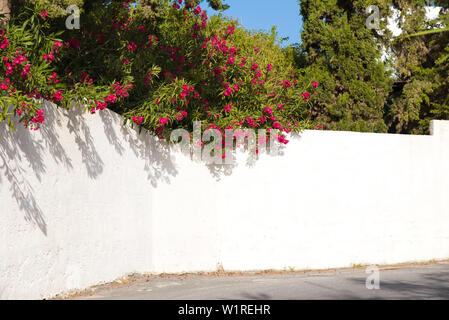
[[410, 282]]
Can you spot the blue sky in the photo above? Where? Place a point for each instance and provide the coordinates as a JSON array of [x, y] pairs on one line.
[[263, 14]]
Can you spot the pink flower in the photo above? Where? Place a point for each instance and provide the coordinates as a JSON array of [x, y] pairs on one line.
[[73, 44], [228, 92], [231, 30], [268, 110], [269, 67], [315, 84], [9, 68], [56, 46], [227, 108], [138, 120], [49, 57], [163, 121], [132, 46], [276, 125], [18, 60], [101, 105], [53, 78], [305, 95], [197, 10], [84, 76], [57, 96], [111, 98], [44, 14], [282, 139], [4, 43], [287, 84], [39, 117]]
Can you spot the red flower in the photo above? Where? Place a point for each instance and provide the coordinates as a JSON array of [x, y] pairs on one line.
[[163, 121], [111, 98], [287, 84], [268, 110], [4, 43], [49, 57], [227, 108], [228, 92], [73, 44], [101, 105], [138, 120], [132, 46], [197, 10], [57, 96]]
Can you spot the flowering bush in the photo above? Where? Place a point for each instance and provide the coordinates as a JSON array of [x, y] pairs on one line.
[[29, 54], [160, 72]]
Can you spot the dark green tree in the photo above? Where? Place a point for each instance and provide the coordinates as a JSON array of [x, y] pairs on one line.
[[421, 63], [345, 57]]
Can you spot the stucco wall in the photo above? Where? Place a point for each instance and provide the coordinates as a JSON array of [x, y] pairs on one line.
[[86, 200]]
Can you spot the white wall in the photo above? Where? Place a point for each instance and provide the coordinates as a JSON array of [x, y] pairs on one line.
[[86, 200]]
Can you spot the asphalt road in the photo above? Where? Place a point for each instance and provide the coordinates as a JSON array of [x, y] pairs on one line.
[[412, 282]]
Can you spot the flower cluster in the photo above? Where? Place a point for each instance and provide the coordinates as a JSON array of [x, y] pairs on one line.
[[163, 75], [35, 122]]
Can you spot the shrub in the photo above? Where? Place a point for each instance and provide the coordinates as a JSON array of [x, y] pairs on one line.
[[166, 70]]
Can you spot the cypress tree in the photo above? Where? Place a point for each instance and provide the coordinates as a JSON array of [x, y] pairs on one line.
[[345, 56], [422, 67]]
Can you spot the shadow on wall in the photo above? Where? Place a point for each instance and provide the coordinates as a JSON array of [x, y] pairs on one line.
[[24, 149], [23, 152], [158, 163], [84, 140], [19, 150]]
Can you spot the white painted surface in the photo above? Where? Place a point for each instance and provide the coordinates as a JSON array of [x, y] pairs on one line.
[[86, 200], [432, 13]]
